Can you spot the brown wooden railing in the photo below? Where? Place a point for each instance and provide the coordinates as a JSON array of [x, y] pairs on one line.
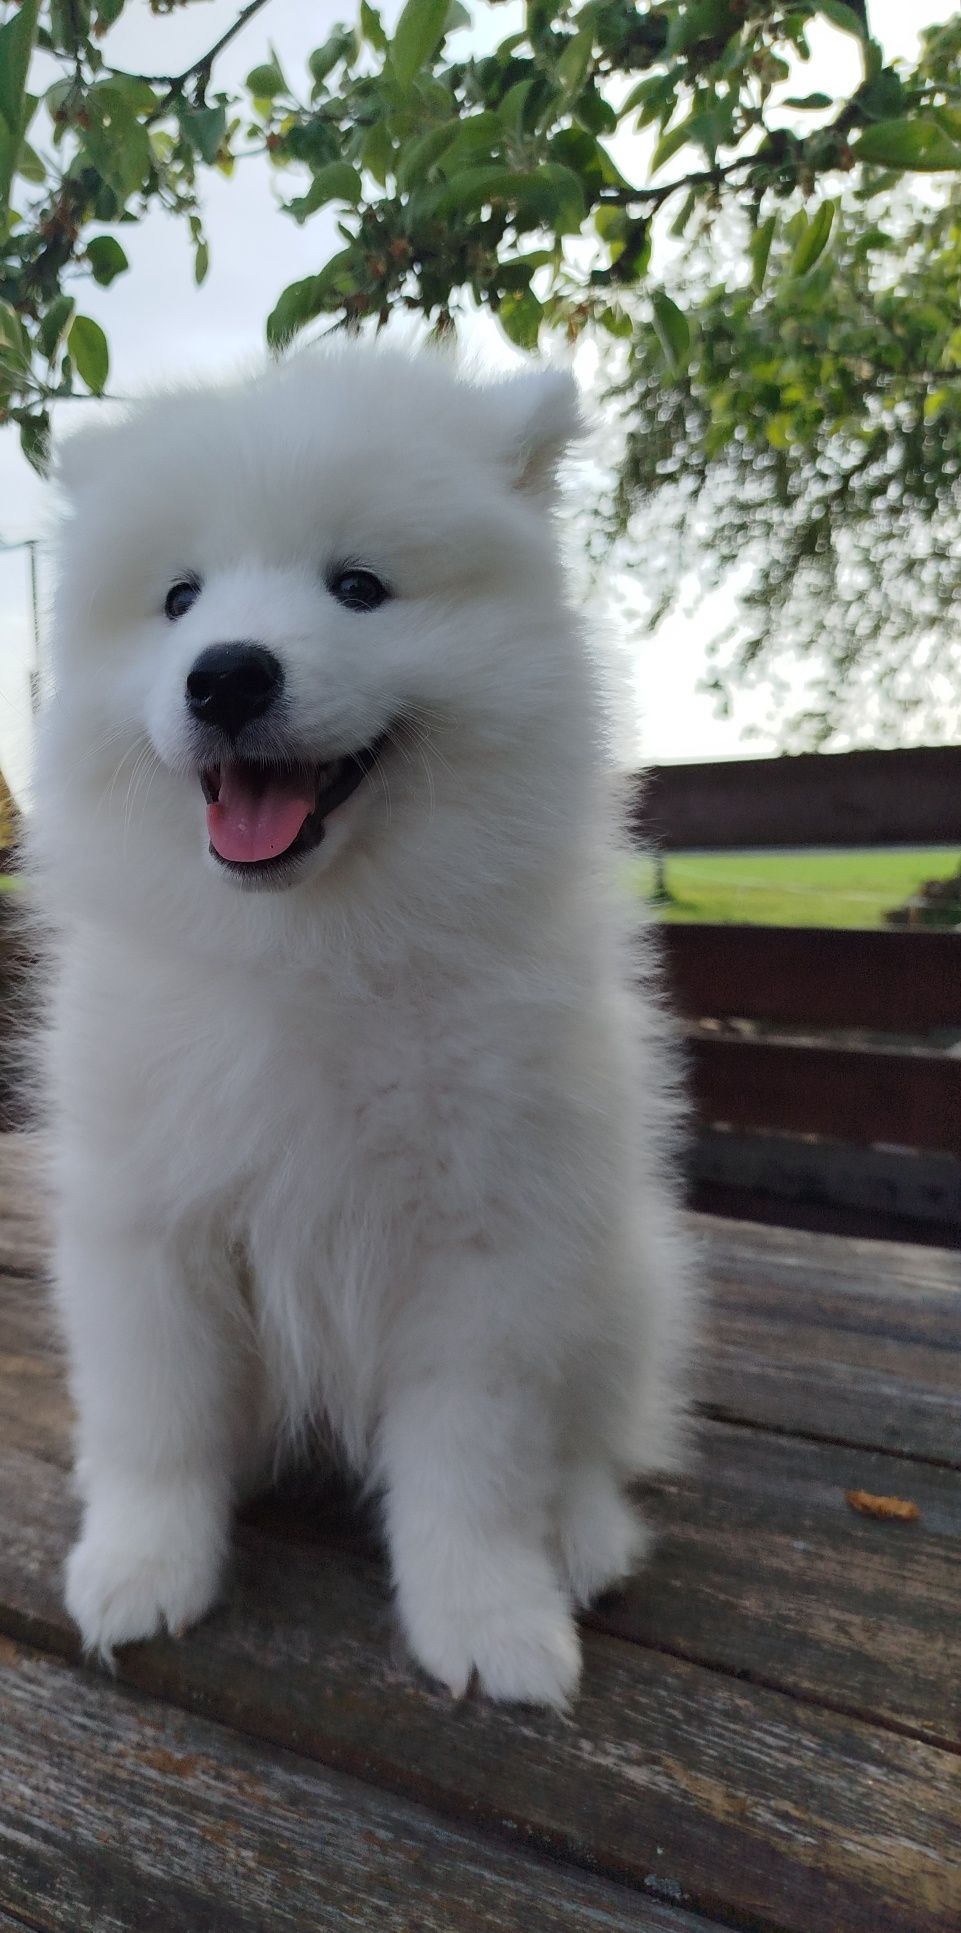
[[844, 1087]]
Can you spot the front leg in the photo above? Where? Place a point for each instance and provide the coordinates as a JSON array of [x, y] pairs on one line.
[[155, 1385], [467, 1462]]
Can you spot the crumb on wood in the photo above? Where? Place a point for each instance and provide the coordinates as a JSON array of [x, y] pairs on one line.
[[896, 1509]]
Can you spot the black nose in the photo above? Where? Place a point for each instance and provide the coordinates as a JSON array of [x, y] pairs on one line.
[[230, 684]]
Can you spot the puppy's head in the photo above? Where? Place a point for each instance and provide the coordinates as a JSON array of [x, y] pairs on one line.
[[289, 610]]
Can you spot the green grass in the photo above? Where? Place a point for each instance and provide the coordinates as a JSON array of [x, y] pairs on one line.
[[793, 889]]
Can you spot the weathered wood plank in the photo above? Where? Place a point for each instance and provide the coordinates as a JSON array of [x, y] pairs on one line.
[[835, 1338], [896, 1193], [719, 1796], [846, 799], [819, 1335], [135, 1816], [901, 1099], [760, 1568], [34, 1411], [24, 1222], [904, 983]]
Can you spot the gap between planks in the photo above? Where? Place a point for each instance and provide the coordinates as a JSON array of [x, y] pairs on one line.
[[757, 1810]]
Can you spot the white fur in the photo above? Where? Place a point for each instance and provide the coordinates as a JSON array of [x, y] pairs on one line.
[[378, 1160]]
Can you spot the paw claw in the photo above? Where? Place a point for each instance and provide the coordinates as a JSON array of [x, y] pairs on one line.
[[508, 1628], [143, 1563]]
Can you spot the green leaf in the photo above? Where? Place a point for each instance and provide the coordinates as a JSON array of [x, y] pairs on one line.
[[549, 196], [612, 224], [919, 145], [13, 341], [520, 318], [882, 99], [303, 301], [204, 128], [324, 58], [759, 248], [372, 27], [377, 153], [813, 239], [201, 262], [16, 45], [29, 164], [477, 138], [106, 258], [594, 111], [576, 59], [35, 440], [668, 145], [116, 141], [511, 109], [137, 94], [88, 347], [701, 20], [54, 325], [684, 214], [843, 17], [416, 35], [673, 331], [616, 322], [338, 181], [265, 81], [811, 101], [418, 157]]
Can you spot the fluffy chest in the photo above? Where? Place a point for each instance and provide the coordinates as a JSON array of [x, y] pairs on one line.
[[237, 1093]]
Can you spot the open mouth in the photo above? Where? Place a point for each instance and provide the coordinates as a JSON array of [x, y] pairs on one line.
[[260, 816]]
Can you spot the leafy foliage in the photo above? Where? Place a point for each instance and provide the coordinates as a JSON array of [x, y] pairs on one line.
[[809, 448], [795, 421]]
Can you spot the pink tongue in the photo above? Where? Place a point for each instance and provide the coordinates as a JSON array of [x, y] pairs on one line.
[[252, 821]]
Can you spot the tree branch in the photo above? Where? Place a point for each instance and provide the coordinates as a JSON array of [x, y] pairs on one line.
[[198, 69], [653, 198]]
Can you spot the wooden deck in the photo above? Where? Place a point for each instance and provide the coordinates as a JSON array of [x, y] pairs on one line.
[[769, 1734]]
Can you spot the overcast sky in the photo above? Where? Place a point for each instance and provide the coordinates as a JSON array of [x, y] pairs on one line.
[[161, 327]]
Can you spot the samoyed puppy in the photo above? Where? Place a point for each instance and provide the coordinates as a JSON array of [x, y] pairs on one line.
[[361, 1116]]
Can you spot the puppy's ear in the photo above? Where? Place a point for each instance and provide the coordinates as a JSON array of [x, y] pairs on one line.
[[539, 417], [81, 458]]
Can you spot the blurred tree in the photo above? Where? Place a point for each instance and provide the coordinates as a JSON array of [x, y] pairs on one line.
[[788, 370]]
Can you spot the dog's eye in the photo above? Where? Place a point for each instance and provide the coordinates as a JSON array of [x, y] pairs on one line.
[[357, 590], [180, 596]]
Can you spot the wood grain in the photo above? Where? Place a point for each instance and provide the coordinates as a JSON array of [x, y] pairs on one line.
[[156, 1821], [759, 1567], [846, 799], [835, 1338], [904, 1099], [719, 1796], [24, 1217], [904, 983], [820, 1335]]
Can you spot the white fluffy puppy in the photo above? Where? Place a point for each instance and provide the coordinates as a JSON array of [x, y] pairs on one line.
[[359, 1118]]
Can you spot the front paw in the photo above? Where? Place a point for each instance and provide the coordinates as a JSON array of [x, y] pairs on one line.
[[150, 1557], [500, 1615]]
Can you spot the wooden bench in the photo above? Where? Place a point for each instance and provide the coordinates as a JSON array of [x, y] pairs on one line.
[[769, 1732]]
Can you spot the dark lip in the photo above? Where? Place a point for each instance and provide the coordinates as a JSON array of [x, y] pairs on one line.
[[345, 774]]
